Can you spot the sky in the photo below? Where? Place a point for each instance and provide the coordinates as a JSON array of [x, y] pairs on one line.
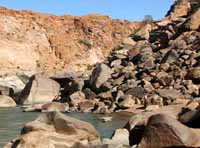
[[119, 9]]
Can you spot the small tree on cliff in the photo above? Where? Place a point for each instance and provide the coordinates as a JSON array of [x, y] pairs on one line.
[[148, 19]]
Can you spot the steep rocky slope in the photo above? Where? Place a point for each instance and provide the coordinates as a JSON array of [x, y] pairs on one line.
[[33, 42], [157, 65], [154, 74]]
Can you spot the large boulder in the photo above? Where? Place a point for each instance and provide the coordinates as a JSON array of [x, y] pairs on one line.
[[16, 83], [86, 106], [128, 41], [77, 98], [193, 22], [100, 75], [141, 119], [170, 57], [143, 33], [31, 140], [55, 130], [6, 101], [179, 9], [194, 74], [128, 102], [170, 94], [164, 131], [120, 137], [138, 92], [39, 90]]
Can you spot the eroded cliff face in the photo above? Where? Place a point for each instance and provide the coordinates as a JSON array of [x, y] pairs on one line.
[[34, 42]]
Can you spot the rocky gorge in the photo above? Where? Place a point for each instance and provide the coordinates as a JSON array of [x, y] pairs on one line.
[[148, 69]]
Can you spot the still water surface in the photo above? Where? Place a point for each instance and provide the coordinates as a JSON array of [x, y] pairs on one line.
[[12, 120]]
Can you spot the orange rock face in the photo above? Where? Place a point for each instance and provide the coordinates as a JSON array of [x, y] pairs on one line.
[[34, 42]]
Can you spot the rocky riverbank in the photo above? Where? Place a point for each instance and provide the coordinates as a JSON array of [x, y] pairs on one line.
[[153, 74]]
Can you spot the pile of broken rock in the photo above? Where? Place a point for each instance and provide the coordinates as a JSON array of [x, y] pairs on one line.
[[154, 73], [157, 65]]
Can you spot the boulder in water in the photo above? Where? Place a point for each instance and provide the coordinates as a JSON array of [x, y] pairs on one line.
[[54, 129], [39, 90]]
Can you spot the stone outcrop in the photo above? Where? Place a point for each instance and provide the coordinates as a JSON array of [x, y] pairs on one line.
[[164, 131], [141, 119], [120, 137], [14, 82], [39, 90], [52, 130], [193, 22], [33, 42], [100, 75], [183, 8], [179, 9]]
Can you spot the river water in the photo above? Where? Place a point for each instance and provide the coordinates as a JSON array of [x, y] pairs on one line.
[[13, 119]]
